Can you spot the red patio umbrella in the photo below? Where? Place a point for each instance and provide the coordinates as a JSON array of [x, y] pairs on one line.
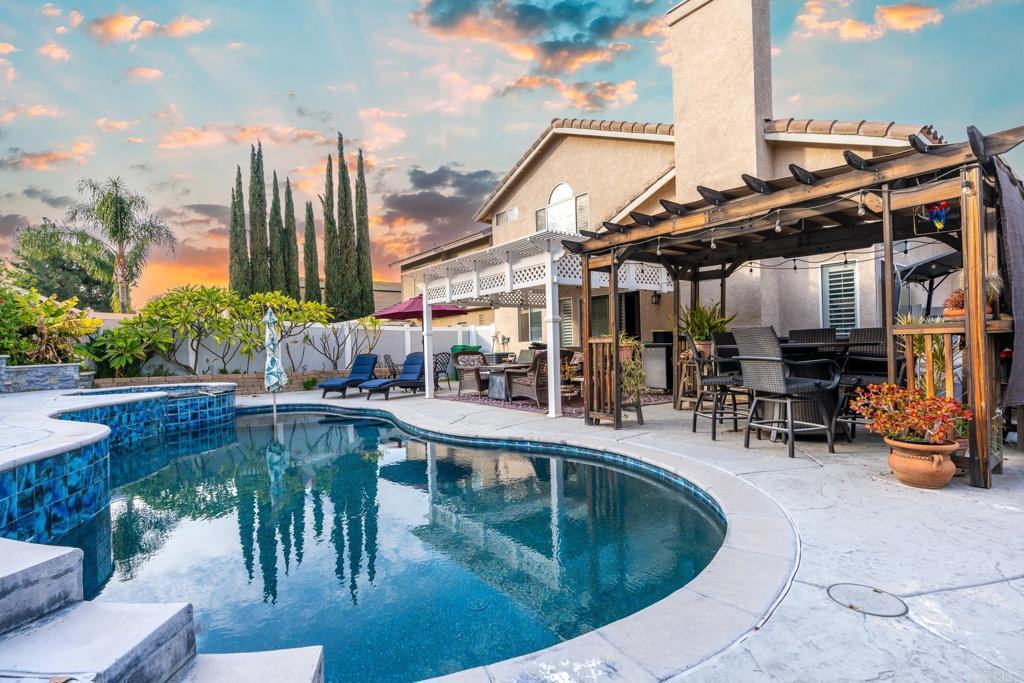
[[412, 309]]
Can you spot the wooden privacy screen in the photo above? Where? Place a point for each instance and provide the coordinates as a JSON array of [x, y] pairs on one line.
[[936, 343], [601, 385]]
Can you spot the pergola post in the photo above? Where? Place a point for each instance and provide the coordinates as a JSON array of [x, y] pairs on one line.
[[972, 211], [676, 375], [585, 338], [553, 320], [613, 325], [888, 286], [721, 285], [428, 345]]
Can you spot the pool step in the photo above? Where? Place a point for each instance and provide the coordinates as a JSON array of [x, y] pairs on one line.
[[102, 641], [295, 665], [36, 580]]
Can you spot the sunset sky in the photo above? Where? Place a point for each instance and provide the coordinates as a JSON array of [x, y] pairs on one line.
[[442, 95]]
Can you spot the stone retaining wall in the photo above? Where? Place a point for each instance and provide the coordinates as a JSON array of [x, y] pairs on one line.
[[247, 384], [14, 378]]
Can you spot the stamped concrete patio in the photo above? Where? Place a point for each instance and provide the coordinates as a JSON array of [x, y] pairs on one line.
[[954, 556]]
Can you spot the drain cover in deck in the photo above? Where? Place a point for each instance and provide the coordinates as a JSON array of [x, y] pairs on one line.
[[867, 600]]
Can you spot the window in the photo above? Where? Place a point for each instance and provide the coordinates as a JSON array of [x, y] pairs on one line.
[[507, 216], [531, 324], [599, 316], [839, 296], [565, 211], [565, 326]]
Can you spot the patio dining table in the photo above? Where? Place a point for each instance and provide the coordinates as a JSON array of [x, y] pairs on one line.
[[497, 381]]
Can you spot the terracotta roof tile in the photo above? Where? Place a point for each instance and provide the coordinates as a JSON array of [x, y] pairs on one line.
[[879, 129]]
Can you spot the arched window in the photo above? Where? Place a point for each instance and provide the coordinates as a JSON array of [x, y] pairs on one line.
[[561, 193], [560, 213]]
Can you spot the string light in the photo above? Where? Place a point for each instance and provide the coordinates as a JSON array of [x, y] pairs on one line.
[[860, 205], [846, 261], [965, 187], [713, 245], [794, 264], [658, 252], [778, 224]]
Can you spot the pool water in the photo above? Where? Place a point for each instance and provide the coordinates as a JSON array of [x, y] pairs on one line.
[[404, 559]]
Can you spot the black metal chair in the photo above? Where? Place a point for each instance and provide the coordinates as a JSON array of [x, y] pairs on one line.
[[389, 366], [716, 378], [441, 361], [814, 335], [770, 378], [865, 364]]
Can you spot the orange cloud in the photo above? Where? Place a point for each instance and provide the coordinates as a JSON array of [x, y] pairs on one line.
[[50, 10], [45, 161], [378, 132], [586, 95], [54, 52], [168, 112], [119, 27], [7, 72], [112, 125], [143, 74], [217, 134], [7, 48], [76, 18], [907, 17], [28, 112], [135, 140]]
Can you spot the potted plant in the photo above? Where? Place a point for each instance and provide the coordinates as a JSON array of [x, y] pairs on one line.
[[953, 306], [701, 323], [919, 431], [633, 383], [628, 346]]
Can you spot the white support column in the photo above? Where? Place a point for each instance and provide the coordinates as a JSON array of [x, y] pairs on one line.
[[428, 345], [553, 321], [349, 340], [408, 339]]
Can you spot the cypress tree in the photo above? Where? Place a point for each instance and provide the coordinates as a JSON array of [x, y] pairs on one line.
[[259, 248], [332, 272], [364, 265], [239, 269], [347, 238], [278, 250], [291, 240], [311, 265]]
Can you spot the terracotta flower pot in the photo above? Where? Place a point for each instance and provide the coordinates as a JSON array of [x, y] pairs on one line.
[[957, 313], [707, 348], [922, 465]]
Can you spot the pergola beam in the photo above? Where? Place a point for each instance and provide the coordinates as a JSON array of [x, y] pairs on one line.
[[757, 206]]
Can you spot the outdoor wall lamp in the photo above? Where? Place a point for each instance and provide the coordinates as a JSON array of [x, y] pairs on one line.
[[656, 298]]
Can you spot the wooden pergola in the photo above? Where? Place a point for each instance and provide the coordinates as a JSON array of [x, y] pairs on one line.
[[861, 204]]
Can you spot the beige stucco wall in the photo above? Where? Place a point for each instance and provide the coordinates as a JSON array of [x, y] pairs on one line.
[[611, 171], [721, 81]]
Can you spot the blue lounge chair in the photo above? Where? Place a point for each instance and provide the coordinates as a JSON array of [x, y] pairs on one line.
[[362, 371], [411, 378]]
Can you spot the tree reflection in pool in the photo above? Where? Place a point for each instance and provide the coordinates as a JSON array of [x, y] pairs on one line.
[[404, 559]]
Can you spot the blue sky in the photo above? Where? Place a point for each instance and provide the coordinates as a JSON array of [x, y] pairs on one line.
[[443, 95]]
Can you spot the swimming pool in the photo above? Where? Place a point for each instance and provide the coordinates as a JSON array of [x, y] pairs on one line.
[[404, 558]]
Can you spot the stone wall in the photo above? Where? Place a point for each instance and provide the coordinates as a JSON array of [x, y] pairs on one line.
[[14, 378], [251, 383]]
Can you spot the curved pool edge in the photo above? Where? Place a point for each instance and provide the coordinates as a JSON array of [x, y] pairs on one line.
[[730, 599]]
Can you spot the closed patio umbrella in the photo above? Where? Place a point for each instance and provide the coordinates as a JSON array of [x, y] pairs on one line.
[[274, 377]]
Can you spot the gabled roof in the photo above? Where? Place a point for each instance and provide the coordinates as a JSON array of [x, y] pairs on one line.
[[866, 129], [626, 130]]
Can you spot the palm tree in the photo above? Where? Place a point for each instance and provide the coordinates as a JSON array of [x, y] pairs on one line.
[[116, 236]]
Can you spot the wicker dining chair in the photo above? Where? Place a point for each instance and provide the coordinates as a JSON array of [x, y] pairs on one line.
[[531, 382], [865, 364], [769, 377], [814, 335], [715, 381], [441, 361], [470, 376]]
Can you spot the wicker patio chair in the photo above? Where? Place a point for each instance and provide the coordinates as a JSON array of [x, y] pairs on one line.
[[531, 382], [716, 378], [814, 335], [865, 364], [471, 377], [769, 376], [441, 361]]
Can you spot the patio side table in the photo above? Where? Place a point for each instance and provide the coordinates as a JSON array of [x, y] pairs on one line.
[[497, 385]]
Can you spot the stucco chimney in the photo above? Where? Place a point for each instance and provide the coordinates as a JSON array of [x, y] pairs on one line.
[[722, 88]]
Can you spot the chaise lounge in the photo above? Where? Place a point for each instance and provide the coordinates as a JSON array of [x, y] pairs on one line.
[[411, 378], [362, 371]]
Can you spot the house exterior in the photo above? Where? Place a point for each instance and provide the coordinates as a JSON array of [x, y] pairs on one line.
[[580, 174]]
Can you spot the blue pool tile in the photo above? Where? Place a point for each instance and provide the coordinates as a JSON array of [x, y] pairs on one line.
[[8, 483]]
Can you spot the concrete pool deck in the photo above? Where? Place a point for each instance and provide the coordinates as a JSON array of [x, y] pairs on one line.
[[955, 556]]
